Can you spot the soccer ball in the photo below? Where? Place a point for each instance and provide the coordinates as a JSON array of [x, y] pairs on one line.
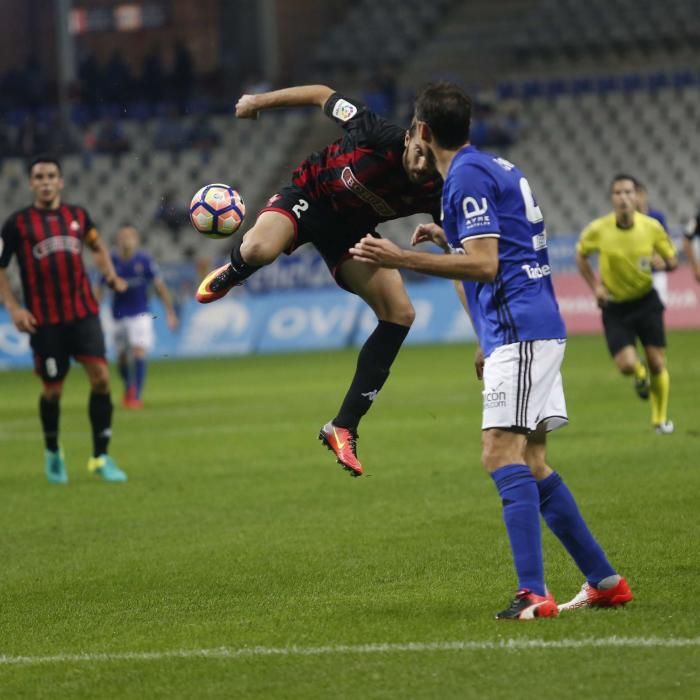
[[217, 211]]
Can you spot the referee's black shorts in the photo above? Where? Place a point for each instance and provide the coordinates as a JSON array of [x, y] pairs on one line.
[[626, 321], [55, 344]]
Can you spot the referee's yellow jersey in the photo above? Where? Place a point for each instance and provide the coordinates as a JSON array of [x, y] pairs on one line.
[[625, 253]]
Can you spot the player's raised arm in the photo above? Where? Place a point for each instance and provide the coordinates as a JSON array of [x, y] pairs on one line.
[[248, 106]]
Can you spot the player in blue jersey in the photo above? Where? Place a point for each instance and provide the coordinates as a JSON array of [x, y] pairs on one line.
[[133, 321], [492, 222]]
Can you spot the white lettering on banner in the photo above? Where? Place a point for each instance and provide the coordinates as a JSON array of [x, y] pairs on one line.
[[293, 321], [12, 341], [537, 272], [229, 318], [287, 322]]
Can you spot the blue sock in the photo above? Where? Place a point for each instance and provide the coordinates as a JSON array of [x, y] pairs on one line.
[[124, 374], [521, 513], [564, 519], [139, 375]]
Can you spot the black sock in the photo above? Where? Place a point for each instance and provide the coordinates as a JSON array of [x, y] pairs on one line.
[[240, 266], [49, 412], [100, 410], [373, 365]]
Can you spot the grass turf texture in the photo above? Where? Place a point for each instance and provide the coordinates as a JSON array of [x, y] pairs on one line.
[[237, 529]]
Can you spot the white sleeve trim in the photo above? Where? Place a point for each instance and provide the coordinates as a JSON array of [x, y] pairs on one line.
[[481, 235]]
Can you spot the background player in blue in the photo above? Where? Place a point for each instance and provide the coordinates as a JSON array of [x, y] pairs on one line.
[[133, 321], [492, 221]]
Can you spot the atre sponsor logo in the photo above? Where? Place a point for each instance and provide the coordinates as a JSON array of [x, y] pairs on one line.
[[374, 200], [56, 244], [494, 398], [537, 272]]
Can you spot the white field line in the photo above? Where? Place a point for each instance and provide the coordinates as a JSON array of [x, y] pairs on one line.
[[511, 645]]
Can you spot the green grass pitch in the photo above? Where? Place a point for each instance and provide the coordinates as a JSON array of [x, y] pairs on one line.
[[237, 532]]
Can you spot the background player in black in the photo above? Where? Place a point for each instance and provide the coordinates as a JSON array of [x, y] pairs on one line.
[[60, 312], [374, 173]]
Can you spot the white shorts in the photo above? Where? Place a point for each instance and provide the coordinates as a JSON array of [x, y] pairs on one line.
[[134, 332], [523, 386]]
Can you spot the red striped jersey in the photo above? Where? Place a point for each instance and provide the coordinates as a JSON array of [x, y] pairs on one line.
[[361, 175], [48, 244]]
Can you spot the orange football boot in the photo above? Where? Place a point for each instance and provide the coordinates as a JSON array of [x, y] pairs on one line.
[[344, 443], [216, 284]]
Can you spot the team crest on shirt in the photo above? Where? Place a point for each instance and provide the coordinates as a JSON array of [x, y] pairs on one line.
[[344, 110]]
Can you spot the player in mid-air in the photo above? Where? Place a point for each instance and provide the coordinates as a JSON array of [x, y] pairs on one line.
[[627, 243], [337, 196], [60, 311], [493, 225], [133, 320]]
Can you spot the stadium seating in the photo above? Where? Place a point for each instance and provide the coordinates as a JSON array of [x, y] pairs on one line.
[[129, 187]]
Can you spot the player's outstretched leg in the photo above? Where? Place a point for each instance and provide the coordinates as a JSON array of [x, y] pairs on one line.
[[383, 290], [272, 234]]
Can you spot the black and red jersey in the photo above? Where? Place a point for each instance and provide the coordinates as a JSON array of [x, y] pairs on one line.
[[48, 244], [361, 175]]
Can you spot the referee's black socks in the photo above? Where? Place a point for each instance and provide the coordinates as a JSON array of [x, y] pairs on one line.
[[373, 365]]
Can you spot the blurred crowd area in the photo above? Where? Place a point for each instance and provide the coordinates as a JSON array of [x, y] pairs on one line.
[[106, 94]]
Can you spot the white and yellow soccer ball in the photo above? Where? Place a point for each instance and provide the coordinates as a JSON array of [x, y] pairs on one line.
[[217, 210]]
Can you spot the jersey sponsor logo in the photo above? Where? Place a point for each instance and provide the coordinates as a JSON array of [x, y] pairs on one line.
[[537, 272], [493, 398], [344, 110], [56, 244], [475, 212], [539, 241], [367, 196]]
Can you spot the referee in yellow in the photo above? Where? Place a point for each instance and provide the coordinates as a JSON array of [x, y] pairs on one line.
[[628, 244]]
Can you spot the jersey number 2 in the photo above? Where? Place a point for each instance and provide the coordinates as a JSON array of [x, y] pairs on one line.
[[303, 205]]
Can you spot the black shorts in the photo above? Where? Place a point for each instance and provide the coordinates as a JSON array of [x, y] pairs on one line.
[[316, 224], [55, 344], [626, 321]]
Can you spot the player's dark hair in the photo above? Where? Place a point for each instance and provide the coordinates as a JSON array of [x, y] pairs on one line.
[[447, 110], [624, 176], [640, 186], [43, 158]]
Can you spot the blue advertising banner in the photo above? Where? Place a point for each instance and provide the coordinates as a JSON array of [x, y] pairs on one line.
[[293, 320]]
